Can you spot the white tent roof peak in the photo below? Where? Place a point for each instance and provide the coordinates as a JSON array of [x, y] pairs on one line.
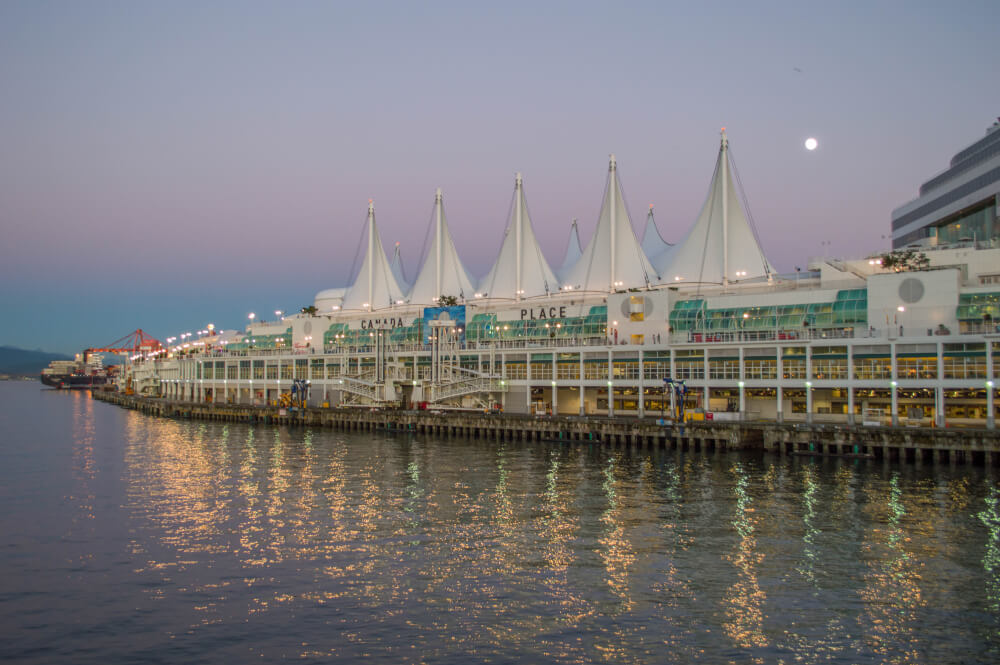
[[442, 272], [652, 242], [613, 259], [573, 250], [520, 270], [398, 271], [722, 246], [375, 287]]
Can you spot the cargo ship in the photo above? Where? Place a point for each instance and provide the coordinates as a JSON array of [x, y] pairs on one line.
[[84, 372]]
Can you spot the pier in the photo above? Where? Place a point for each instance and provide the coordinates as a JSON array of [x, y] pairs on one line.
[[912, 444]]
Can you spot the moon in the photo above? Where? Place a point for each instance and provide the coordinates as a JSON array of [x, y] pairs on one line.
[[811, 143]]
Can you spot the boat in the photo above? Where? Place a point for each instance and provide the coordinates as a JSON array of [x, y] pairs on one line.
[[84, 372]]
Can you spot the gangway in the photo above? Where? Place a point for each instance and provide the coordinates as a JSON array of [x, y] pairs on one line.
[[382, 385]]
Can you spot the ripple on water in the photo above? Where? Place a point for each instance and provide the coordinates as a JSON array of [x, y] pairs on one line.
[[154, 540]]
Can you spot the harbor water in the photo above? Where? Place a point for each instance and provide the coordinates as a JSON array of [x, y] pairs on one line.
[[134, 539]]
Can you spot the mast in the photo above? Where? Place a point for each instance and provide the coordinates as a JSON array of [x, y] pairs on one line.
[[371, 255], [614, 185], [724, 162], [517, 236], [437, 241]]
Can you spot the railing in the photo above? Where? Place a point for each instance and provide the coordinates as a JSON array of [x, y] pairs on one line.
[[985, 328], [359, 387], [781, 335], [466, 387]]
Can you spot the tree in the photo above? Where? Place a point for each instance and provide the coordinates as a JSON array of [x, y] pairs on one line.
[[447, 301], [904, 260], [310, 310]]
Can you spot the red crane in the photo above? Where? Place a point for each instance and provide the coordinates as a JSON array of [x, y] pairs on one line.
[[133, 343]]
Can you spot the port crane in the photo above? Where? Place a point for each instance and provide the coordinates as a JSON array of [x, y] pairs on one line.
[[131, 344]]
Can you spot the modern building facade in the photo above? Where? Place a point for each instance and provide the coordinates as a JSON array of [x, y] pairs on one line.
[[959, 205]]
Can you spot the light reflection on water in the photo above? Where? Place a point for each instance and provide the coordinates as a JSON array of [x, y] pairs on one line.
[[204, 542]]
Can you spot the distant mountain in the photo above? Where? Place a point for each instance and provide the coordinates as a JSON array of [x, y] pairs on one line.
[[24, 362]]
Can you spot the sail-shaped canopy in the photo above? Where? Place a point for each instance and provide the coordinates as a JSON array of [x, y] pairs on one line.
[[396, 265], [721, 247], [442, 272], [573, 252], [613, 259], [375, 287], [652, 242], [520, 270], [329, 300]]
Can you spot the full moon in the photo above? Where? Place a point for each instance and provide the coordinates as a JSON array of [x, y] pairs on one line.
[[811, 143]]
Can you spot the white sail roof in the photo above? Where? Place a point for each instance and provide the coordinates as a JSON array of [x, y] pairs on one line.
[[652, 242], [520, 270], [721, 247], [442, 272], [375, 287], [613, 259], [573, 251], [329, 300], [396, 265]]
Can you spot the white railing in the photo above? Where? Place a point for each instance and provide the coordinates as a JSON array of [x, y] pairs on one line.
[[467, 387]]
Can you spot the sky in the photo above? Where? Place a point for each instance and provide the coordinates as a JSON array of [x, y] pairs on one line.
[[169, 164]]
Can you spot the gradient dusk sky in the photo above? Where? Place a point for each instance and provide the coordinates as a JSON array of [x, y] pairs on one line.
[[169, 164]]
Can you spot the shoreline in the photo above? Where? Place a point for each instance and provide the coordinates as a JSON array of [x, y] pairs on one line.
[[897, 444]]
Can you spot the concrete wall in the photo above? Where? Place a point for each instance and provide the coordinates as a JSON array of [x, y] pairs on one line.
[[920, 294], [516, 400], [568, 403]]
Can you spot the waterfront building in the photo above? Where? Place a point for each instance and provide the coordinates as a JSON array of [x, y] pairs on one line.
[[959, 205], [704, 329]]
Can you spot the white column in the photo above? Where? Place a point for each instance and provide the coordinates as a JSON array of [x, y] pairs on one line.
[[527, 381], [809, 392], [554, 381], [850, 384], [894, 404], [642, 387], [503, 373], [707, 391], [990, 417], [611, 389], [740, 384], [939, 418]]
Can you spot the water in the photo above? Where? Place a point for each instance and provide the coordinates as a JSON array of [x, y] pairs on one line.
[[128, 538]]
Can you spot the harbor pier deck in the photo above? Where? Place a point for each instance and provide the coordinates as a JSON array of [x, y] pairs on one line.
[[915, 444]]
